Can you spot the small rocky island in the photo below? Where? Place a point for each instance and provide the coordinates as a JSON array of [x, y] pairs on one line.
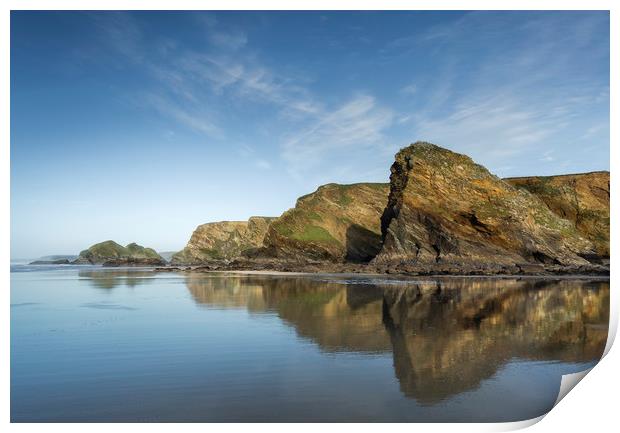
[[109, 253], [54, 260], [441, 213]]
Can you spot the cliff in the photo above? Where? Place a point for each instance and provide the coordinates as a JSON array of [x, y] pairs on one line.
[[334, 223], [448, 214], [111, 253], [583, 199], [222, 241]]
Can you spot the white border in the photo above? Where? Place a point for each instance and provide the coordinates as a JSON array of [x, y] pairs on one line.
[[591, 408]]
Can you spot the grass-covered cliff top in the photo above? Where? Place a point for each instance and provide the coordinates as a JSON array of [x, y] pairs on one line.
[[112, 250]]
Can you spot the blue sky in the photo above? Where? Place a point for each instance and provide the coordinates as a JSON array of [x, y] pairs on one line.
[[138, 126]]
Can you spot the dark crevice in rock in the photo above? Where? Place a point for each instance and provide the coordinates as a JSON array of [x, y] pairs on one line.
[[398, 182], [478, 225], [543, 258]]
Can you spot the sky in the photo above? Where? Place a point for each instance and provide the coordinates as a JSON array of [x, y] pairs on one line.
[[139, 126]]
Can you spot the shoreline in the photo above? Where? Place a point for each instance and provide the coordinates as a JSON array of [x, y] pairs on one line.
[[409, 276], [361, 275], [392, 275]]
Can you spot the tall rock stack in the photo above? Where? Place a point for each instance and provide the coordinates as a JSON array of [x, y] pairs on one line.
[[447, 213]]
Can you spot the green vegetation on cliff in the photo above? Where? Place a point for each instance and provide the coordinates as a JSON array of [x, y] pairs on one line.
[[581, 198], [441, 212], [445, 209], [110, 250], [224, 240], [336, 222]]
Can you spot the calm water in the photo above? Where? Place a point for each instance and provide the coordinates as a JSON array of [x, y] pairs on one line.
[[90, 344]]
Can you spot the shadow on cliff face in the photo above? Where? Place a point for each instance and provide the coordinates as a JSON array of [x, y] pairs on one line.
[[362, 244]]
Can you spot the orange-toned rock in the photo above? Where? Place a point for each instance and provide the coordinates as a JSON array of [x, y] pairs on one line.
[[334, 223], [583, 199], [448, 213], [221, 241]]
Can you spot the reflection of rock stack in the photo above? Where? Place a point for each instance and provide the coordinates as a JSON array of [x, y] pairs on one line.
[[337, 317], [448, 336], [229, 291], [333, 317]]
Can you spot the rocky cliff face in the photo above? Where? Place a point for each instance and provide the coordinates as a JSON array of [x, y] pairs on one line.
[[221, 241], [583, 199], [334, 223], [109, 252], [441, 213], [447, 213]]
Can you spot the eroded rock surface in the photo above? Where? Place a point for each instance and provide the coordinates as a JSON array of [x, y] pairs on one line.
[[118, 255], [335, 223], [222, 241], [449, 214], [583, 199]]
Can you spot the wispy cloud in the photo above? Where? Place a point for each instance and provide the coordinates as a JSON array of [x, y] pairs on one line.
[[497, 102], [492, 127], [182, 94], [357, 123], [228, 40], [409, 89], [192, 118], [121, 33], [249, 153], [509, 102], [227, 69], [247, 79], [263, 164], [219, 37]]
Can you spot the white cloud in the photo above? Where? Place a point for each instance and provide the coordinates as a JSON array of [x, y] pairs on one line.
[[245, 151], [247, 80], [491, 105], [227, 40], [524, 98], [547, 156], [263, 164], [230, 41], [358, 123], [121, 33], [206, 18], [492, 128], [194, 119], [190, 79], [409, 89]]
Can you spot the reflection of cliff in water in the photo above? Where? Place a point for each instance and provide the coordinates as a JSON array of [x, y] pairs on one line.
[[446, 335], [111, 278], [335, 316]]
